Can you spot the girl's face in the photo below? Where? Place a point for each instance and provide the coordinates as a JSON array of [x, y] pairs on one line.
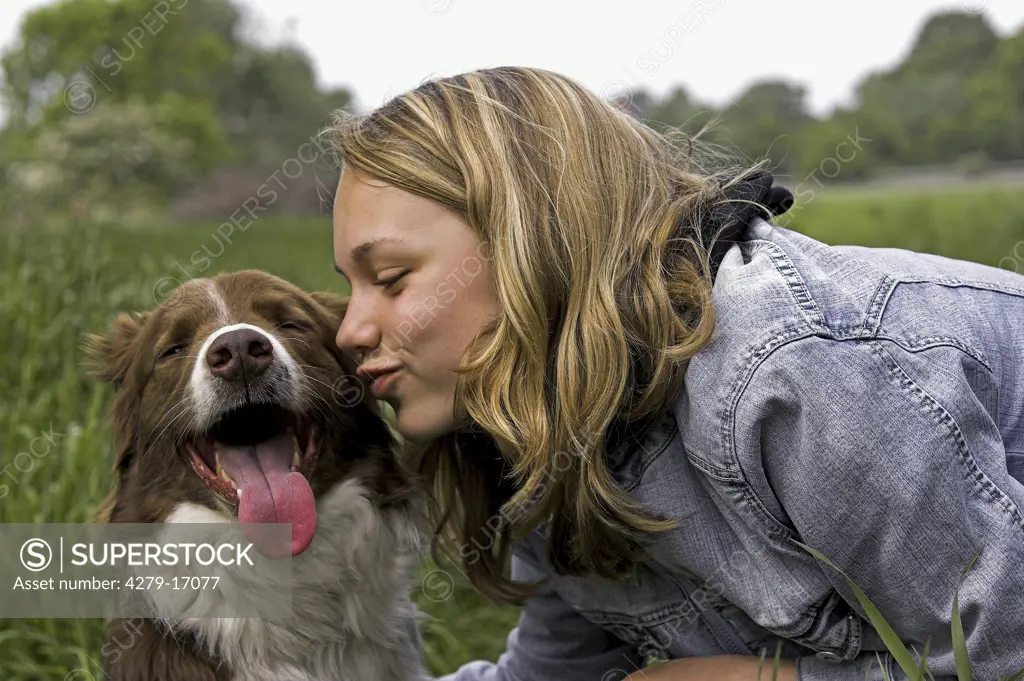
[[421, 289]]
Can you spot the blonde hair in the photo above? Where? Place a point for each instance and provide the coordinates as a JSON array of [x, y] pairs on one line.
[[598, 232]]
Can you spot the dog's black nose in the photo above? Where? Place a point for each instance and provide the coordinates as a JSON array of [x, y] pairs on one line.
[[240, 353]]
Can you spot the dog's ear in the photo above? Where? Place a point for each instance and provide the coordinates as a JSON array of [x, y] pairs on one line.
[[335, 304], [108, 356]]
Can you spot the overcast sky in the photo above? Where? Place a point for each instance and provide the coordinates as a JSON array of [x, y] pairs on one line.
[[714, 47]]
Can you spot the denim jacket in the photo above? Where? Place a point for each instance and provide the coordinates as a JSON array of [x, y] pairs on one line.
[[868, 403]]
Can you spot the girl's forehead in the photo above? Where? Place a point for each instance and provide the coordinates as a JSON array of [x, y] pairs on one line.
[[363, 212]]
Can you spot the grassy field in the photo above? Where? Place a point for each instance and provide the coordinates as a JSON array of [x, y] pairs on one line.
[[58, 284]]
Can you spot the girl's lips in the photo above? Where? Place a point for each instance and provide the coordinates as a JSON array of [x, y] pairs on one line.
[[379, 386]]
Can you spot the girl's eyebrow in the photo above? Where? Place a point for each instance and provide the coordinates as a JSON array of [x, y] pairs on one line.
[[362, 251]]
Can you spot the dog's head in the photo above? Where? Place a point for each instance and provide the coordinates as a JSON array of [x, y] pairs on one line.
[[232, 394]]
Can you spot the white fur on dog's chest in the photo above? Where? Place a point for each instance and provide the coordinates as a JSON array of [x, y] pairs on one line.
[[350, 595]]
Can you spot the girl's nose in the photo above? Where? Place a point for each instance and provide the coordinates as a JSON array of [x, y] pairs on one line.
[[358, 333]]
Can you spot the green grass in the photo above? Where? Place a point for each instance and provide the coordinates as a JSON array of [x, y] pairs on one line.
[[58, 284], [982, 225]]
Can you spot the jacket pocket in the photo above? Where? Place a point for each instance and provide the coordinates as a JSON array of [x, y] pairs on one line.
[[830, 628], [650, 612], [757, 638]]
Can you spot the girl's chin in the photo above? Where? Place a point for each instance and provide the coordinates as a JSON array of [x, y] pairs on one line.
[[414, 428]]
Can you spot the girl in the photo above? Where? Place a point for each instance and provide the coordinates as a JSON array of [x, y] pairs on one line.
[[639, 402]]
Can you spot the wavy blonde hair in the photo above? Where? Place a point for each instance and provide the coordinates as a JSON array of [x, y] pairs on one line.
[[598, 233]]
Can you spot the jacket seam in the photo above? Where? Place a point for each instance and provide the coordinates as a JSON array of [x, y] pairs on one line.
[[916, 345], [795, 282], [963, 283], [878, 304], [753, 360], [980, 483], [709, 470], [774, 526], [655, 617]]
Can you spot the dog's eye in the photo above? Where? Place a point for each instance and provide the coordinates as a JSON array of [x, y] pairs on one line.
[[292, 325], [173, 350]]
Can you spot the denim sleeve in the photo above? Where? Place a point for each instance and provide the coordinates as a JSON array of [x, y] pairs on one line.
[[887, 462], [551, 641]]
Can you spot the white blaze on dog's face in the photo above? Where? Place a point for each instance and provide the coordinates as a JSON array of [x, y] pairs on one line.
[[247, 394], [243, 354], [229, 396]]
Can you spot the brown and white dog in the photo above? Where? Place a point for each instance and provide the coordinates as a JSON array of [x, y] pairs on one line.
[[226, 410]]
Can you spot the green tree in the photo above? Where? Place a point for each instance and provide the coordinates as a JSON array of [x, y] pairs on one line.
[[950, 42], [997, 119], [835, 149], [764, 119], [921, 108], [229, 99], [272, 103], [678, 109], [119, 158], [70, 56]]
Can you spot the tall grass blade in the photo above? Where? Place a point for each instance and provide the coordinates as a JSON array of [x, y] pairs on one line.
[[885, 674], [889, 637], [963, 664], [923, 665]]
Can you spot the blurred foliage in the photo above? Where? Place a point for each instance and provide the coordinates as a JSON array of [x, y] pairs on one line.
[[79, 67], [128, 154], [957, 98], [197, 93]]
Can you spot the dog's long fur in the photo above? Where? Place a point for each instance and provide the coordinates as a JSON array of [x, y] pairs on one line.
[[353, 615]]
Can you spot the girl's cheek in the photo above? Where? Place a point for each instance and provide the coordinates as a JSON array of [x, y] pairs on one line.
[[408, 323]]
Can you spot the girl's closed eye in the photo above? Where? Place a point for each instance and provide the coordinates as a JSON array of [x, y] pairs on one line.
[[390, 281]]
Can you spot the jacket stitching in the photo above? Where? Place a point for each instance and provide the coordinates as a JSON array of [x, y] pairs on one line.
[[709, 470], [879, 302], [658, 616], [983, 486], [776, 528], [753, 360], [795, 281], [928, 342], [964, 283], [756, 358]]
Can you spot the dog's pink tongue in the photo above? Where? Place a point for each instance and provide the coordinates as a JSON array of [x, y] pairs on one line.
[[271, 492]]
